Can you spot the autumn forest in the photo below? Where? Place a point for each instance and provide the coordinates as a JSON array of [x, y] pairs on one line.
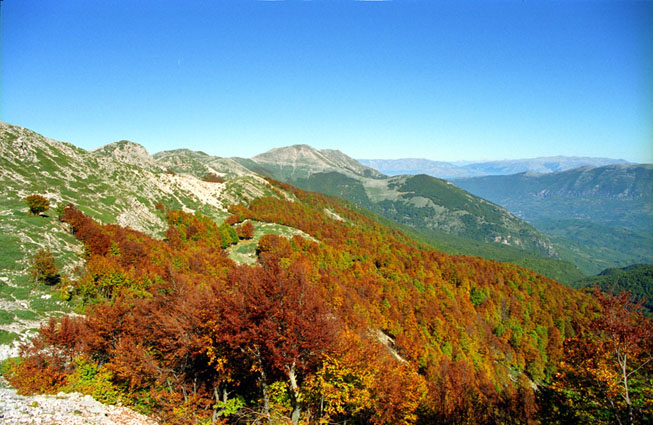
[[357, 324]]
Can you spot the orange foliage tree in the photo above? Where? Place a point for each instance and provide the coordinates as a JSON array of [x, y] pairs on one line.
[[607, 373]]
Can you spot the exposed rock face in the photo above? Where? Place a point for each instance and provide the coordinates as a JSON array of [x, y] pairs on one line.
[[128, 153]]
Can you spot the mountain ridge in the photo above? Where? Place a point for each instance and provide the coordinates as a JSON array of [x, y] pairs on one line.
[[300, 161], [421, 202]]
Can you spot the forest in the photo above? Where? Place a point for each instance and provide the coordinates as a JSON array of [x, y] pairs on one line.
[[361, 325]]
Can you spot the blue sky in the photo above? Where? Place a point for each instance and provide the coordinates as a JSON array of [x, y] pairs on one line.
[[449, 80]]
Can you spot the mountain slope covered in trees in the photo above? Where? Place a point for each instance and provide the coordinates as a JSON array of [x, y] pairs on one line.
[[246, 300], [636, 279], [598, 217], [422, 202], [362, 326], [428, 205]]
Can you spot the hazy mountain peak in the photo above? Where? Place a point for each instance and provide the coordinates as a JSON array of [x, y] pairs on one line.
[[179, 152], [303, 160], [292, 155]]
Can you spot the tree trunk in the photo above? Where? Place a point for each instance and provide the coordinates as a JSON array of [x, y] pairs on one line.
[[622, 360], [225, 397], [294, 399], [264, 385]]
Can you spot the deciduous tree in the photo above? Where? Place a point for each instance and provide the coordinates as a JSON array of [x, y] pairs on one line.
[[44, 269], [37, 204], [245, 230], [607, 374]]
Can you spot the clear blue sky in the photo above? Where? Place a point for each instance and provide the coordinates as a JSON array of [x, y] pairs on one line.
[[450, 80]]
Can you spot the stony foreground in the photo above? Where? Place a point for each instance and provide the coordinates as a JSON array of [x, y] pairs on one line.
[[63, 409]]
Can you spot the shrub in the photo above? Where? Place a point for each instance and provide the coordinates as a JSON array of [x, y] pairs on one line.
[[37, 204], [93, 380], [245, 230], [44, 269], [212, 178]]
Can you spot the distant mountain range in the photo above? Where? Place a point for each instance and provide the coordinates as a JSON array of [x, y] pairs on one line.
[[451, 170]]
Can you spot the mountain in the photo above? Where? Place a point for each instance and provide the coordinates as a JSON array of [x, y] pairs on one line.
[[447, 170], [340, 294], [412, 166], [636, 278], [301, 161], [598, 217], [126, 152], [249, 299], [119, 183], [421, 202], [199, 164], [541, 165]]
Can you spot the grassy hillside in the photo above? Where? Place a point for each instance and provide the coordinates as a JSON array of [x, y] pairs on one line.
[[107, 185]]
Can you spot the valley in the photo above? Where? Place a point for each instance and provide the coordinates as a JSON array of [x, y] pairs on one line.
[[597, 217], [188, 238]]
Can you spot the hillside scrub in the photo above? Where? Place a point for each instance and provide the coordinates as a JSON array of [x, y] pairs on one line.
[[44, 269], [37, 204], [179, 331]]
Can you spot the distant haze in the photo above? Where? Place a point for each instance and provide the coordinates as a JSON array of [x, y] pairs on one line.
[[450, 170]]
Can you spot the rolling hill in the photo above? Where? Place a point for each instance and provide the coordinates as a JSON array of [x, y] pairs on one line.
[[636, 278]]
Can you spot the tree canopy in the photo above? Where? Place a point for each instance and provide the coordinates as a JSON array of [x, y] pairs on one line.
[[37, 204]]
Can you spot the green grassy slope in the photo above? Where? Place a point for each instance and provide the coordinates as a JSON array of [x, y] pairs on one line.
[[108, 186]]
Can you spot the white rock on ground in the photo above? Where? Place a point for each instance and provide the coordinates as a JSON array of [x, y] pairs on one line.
[[63, 409]]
